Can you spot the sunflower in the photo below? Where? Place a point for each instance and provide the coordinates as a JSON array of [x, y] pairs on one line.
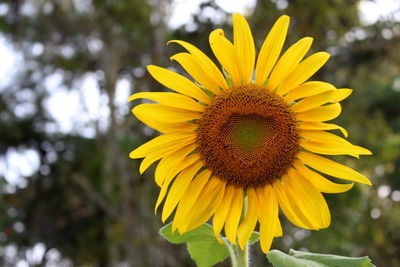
[[237, 145]]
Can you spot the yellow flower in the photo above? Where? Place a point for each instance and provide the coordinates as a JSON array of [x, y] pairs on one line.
[[238, 145]]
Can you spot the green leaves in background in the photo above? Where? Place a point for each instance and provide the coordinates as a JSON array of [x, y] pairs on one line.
[[307, 259], [205, 250], [254, 237], [207, 253], [201, 243]]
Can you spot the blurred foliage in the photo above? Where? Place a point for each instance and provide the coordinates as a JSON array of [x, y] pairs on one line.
[[86, 198]]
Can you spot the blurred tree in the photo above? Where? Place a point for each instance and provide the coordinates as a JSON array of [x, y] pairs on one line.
[[86, 198]]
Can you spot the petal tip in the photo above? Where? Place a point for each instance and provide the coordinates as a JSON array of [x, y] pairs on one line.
[[142, 169], [325, 55], [152, 68], [237, 15], [307, 40], [133, 155], [132, 97], [135, 110], [283, 20], [171, 41], [284, 17]]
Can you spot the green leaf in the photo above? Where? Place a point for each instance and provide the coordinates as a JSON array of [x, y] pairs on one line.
[[201, 243], [202, 233], [280, 259], [207, 253], [333, 260], [254, 237], [307, 259]]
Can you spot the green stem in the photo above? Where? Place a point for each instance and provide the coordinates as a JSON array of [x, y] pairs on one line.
[[242, 256], [231, 253]]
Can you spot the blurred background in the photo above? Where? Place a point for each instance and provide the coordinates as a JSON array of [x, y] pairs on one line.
[[69, 194]]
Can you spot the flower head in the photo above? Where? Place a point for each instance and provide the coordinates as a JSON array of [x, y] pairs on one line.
[[238, 145]]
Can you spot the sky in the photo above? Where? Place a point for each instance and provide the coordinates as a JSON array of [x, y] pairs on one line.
[[183, 10], [370, 11]]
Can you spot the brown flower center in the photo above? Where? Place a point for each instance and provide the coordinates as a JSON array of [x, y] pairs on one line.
[[248, 136]]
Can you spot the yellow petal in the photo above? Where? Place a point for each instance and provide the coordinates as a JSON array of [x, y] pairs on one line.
[[232, 220], [249, 222], [205, 62], [288, 62], [313, 101], [278, 228], [225, 53], [268, 217], [322, 136], [222, 210], [341, 94], [324, 149], [178, 83], [154, 121], [160, 142], [170, 99], [245, 52], [147, 161], [320, 182], [186, 163], [314, 125], [303, 71], [330, 142], [169, 165], [288, 205], [158, 154], [165, 113], [206, 204], [322, 113], [308, 199], [178, 188], [332, 168], [195, 70], [308, 89], [189, 198], [271, 49]]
